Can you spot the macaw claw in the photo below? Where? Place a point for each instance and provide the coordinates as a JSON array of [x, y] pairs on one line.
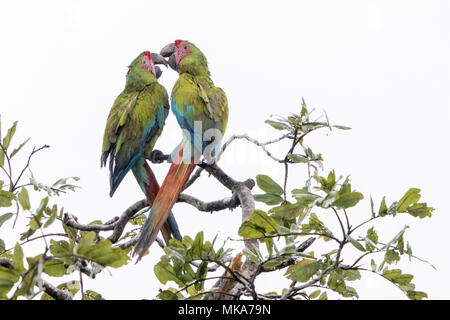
[[158, 157]]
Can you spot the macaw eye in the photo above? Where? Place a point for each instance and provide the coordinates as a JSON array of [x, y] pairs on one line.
[[185, 47]]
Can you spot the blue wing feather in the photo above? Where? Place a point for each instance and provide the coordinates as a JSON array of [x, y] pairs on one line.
[[117, 172]]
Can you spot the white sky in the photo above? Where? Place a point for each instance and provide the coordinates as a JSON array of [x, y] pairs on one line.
[[380, 67]]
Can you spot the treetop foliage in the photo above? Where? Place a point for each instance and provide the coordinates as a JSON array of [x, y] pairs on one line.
[[278, 234]]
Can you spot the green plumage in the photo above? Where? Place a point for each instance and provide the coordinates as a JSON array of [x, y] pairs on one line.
[[135, 122], [195, 97], [195, 63]]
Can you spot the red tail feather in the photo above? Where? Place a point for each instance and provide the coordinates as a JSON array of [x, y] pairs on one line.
[[163, 203], [152, 191]]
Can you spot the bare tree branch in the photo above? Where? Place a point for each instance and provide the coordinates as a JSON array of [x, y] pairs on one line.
[[227, 203], [48, 288], [301, 248], [54, 292], [120, 224], [254, 141]]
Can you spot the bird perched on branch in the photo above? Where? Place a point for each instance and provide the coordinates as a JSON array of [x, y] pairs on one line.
[[134, 124], [201, 110]]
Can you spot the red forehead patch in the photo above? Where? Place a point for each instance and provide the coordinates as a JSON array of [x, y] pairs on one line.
[[177, 43], [147, 53]]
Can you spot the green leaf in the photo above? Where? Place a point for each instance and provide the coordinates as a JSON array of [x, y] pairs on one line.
[[51, 219], [348, 200], [373, 265], [309, 126], [298, 158], [267, 198], [72, 287], [391, 256], [266, 184], [373, 237], [2, 158], [24, 199], [197, 245], [351, 275], [304, 111], [42, 206], [35, 221], [167, 295], [258, 225], [249, 230], [139, 220], [277, 125], [314, 294], [87, 239], [8, 277], [286, 211], [177, 254], [392, 209], [341, 127], [4, 218], [252, 254], [349, 292], [323, 296], [9, 135], [27, 233], [18, 148], [102, 253], [410, 197], [54, 268], [59, 248], [304, 197], [18, 258], [327, 184], [92, 295], [372, 207], [165, 272], [383, 208], [396, 276], [274, 262], [201, 273], [346, 187], [355, 243], [6, 198], [416, 295], [420, 210], [315, 224], [303, 270], [71, 232], [63, 250]]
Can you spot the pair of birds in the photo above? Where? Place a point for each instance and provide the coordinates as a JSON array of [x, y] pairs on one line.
[[136, 121]]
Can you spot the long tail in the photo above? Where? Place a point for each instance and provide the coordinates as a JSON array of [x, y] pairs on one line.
[[166, 198], [150, 186]]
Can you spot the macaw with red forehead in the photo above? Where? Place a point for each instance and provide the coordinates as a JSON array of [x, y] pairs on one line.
[[134, 124], [201, 110]]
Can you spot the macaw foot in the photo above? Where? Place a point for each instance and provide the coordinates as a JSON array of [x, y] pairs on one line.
[[158, 157]]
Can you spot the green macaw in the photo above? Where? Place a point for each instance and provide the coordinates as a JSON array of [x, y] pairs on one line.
[[134, 124], [201, 110]]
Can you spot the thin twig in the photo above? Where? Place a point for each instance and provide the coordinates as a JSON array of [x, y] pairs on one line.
[[254, 141], [28, 162]]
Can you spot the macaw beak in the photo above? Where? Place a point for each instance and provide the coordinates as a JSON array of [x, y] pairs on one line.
[[158, 72], [168, 51], [158, 59]]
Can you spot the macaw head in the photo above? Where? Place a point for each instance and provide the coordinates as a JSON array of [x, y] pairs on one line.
[[185, 57], [148, 62], [144, 69]]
